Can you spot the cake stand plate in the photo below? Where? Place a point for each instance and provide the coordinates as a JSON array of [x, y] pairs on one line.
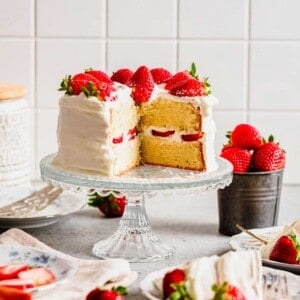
[[134, 239]]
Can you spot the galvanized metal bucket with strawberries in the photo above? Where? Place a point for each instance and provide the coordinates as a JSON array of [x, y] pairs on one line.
[[252, 199]]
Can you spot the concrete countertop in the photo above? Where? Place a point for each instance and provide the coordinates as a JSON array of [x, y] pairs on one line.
[[189, 223]]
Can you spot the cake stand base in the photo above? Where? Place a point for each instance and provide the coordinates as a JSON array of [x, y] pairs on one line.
[[134, 239]]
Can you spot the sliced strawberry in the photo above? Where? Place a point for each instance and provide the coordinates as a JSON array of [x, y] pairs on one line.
[[191, 137], [40, 275], [177, 80], [99, 75], [160, 75], [142, 84], [118, 140], [105, 90], [132, 133], [7, 293], [190, 88], [19, 283], [122, 76], [11, 271], [162, 133], [113, 294]]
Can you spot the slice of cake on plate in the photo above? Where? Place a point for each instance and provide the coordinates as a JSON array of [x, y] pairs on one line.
[[109, 127]]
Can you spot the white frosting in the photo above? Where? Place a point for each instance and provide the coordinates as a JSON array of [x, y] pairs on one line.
[[15, 142], [242, 269], [86, 127], [290, 229]]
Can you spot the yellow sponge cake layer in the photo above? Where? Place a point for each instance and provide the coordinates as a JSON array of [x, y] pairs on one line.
[[160, 151], [166, 113]]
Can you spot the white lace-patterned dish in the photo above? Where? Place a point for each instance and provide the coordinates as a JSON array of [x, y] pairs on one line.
[[62, 268], [243, 241], [67, 203], [277, 284]]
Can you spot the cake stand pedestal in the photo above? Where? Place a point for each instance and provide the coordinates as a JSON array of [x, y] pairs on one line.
[[134, 239]]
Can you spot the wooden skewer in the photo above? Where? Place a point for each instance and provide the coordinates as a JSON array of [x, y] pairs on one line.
[[252, 234]]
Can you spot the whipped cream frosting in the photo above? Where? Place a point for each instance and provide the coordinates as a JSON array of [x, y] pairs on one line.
[[79, 116], [242, 269]]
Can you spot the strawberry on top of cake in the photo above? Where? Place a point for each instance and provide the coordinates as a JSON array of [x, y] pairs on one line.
[[110, 124]]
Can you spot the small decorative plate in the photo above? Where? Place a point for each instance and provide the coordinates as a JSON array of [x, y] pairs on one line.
[[62, 268], [243, 241], [277, 284], [68, 202]]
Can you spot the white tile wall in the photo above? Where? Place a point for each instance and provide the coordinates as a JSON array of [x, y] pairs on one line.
[[250, 50]]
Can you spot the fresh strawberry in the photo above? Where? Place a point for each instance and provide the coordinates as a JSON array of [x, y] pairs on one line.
[[286, 250], [17, 283], [227, 292], [122, 76], [160, 75], [177, 80], [39, 275], [132, 133], [113, 294], [117, 140], [269, 156], [110, 206], [191, 88], [240, 158], [99, 75], [174, 285], [162, 133], [191, 137], [11, 271], [246, 136], [7, 293], [142, 84]]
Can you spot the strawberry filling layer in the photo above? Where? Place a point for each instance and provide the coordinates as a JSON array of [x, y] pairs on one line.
[[128, 136], [174, 135]]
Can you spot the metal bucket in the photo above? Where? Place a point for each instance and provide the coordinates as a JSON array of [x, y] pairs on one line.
[[251, 200]]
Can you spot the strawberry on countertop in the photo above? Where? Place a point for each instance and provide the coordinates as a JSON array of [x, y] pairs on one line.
[[117, 293], [286, 250], [110, 206], [142, 84], [227, 291]]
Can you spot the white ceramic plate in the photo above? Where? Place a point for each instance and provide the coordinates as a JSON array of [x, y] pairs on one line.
[[243, 241], [36, 258], [277, 284], [67, 203]]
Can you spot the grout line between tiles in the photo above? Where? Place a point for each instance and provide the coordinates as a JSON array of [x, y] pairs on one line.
[[177, 34], [106, 36]]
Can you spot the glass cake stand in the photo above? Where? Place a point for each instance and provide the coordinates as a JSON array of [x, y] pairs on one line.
[[134, 239]]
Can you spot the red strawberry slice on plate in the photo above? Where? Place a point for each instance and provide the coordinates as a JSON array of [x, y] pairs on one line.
[[7, 293], [39, 275], [162, 133], [173, 281], [11, 271], [18, 283], [286, 250], [227, 291], [191, 137], [113, 294]]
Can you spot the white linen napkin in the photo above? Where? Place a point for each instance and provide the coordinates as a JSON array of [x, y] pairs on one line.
[[90, 273]]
